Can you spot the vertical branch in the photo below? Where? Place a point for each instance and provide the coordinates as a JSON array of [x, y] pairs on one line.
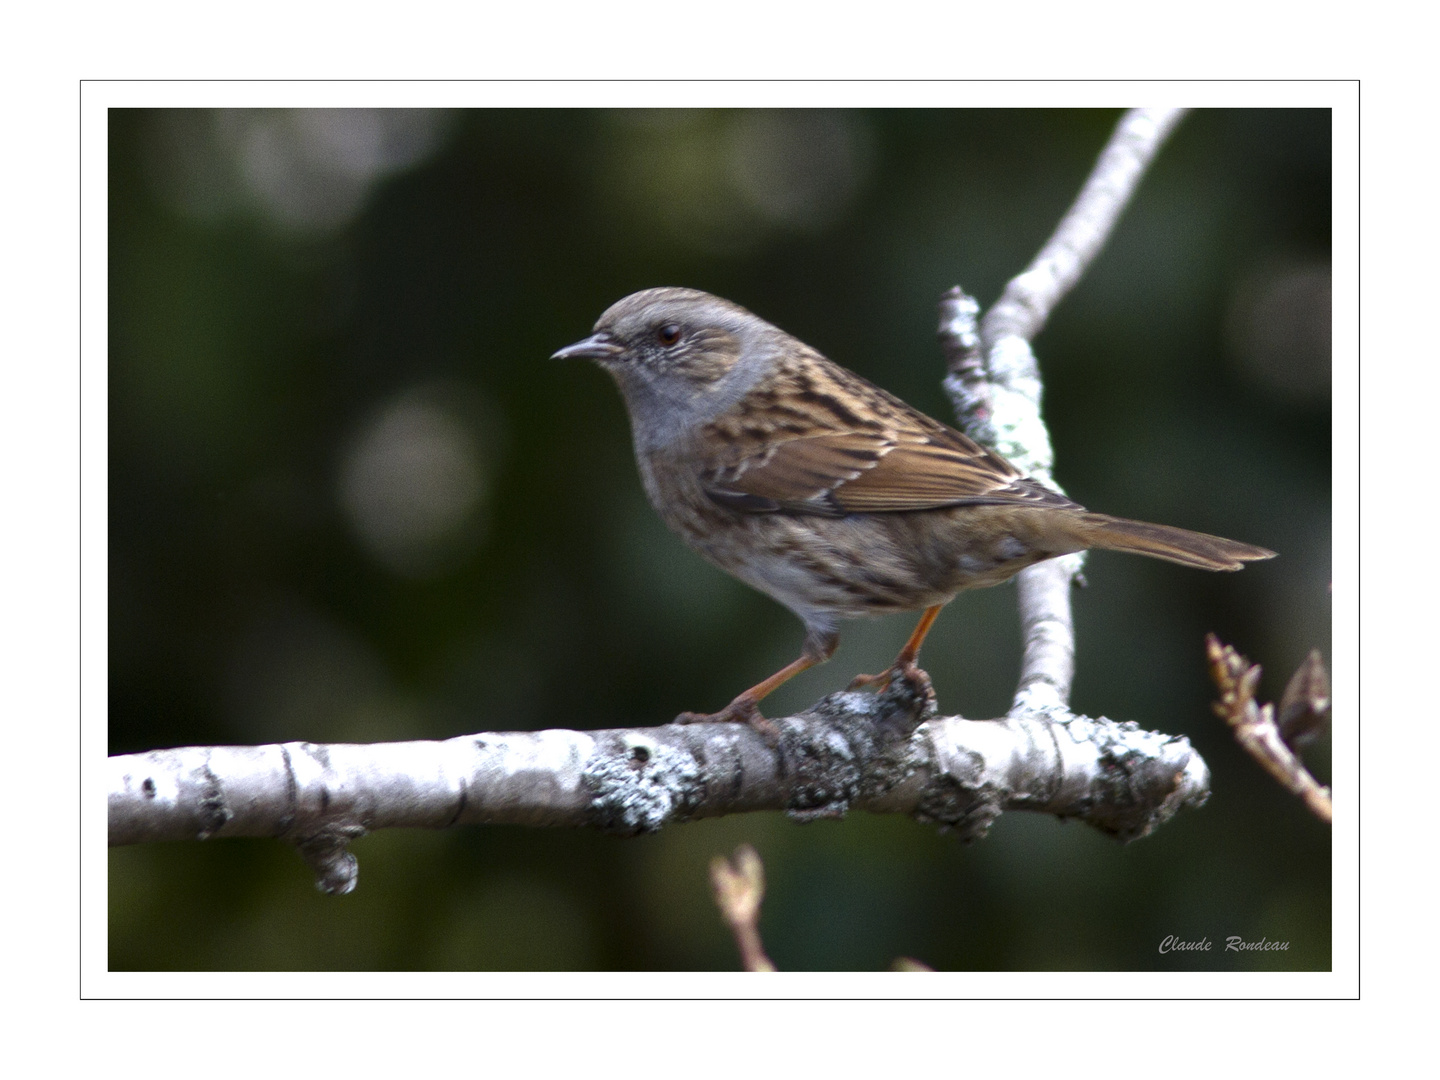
[[995, 384], [1028, 300]]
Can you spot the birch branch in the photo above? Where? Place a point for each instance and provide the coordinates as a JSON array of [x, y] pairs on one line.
[[994, 382], [886, 753]]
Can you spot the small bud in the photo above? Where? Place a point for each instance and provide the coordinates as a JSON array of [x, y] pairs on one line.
[[1305, 706]]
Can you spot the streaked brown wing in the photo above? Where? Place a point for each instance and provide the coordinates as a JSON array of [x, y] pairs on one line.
[[818, 439], [872, 472], [799, 474]]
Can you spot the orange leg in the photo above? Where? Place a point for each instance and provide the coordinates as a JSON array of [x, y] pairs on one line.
[[745, 710], [905, 662]]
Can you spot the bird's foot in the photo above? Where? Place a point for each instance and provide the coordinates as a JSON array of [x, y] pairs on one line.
[[905, 696], [865, 682], [907, 671], [742, 710]]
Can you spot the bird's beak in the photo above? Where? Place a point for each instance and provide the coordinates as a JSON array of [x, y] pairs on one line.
[[598, 346]]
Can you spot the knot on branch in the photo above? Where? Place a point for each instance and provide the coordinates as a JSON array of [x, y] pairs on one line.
[[1143, 786], [851, 745], [214, 812], [327, 851]]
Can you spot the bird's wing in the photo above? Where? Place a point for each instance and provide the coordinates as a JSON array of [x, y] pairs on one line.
[[818, 456]]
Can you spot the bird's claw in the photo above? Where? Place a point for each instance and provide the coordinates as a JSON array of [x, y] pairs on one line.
[[865, 682], [740, 711], [914, 677]]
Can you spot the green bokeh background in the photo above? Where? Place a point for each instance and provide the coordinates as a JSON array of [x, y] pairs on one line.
[[295, 296]]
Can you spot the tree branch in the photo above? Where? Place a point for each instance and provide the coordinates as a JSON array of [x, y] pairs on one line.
[[885, 753], [994, 382]]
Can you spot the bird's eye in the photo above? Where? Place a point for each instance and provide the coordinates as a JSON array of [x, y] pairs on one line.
[[668, 334]]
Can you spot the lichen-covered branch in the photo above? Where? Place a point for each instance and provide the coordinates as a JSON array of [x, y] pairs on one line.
[[885, 753]]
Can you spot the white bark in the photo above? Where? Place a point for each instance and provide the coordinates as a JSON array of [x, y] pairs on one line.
[[994, 382], [884, 753]]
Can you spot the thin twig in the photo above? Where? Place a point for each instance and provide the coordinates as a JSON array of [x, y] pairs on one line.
[[1030, 297], [1255, 727], [739, 888]]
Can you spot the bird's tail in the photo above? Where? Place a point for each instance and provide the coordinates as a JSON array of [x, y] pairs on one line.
[[1181, 546]]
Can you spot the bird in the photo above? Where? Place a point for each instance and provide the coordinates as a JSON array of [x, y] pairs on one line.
[[827, 493]]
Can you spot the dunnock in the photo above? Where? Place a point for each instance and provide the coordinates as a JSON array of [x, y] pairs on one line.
[[825, 492]]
